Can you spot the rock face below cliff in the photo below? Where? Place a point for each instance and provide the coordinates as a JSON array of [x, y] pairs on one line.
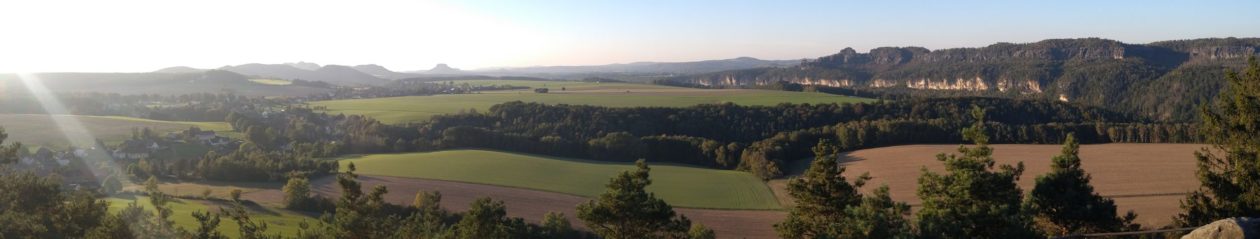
[[1096, 71]]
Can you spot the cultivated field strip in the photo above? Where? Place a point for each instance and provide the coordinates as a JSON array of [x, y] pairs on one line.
[[1150, 179]]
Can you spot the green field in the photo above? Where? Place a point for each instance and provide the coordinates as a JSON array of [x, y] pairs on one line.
[[420, 108], [679, 185], [278, 221], [43, 130]]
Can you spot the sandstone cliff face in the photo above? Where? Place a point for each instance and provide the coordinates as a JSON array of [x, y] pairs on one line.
[[995, 67], [1163, 80]]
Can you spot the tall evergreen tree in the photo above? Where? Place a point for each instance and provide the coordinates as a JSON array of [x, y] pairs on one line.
[[972, 199], [627, 211], [821, 195], [1064, 202], [1230, 175], [487, 218], [828, 206]]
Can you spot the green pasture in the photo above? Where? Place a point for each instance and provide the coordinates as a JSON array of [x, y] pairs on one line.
[[278, 220], [681, 186], [45, 130]]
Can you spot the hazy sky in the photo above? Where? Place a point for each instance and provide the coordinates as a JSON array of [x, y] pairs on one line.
[[144, 35]]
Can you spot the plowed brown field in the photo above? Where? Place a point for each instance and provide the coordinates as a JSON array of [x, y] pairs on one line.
[[1149, 179]]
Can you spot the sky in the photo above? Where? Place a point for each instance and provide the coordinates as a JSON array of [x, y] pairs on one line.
[[146, 35]]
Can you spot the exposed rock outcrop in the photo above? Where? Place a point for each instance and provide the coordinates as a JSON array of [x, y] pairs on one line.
[[1232, 228]]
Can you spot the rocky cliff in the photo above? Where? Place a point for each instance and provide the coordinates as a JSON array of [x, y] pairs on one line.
[[1095, 71]]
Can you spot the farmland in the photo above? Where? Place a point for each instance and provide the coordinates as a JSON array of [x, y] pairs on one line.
[[420, 108], [1147, 178], [679, 185], [43, 130]]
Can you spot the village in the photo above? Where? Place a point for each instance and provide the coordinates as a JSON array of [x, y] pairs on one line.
[[85, 167]]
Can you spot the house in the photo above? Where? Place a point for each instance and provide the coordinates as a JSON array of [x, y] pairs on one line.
[[205, 136], [133, 149], [155, 146], [63, 159], [219, 141]]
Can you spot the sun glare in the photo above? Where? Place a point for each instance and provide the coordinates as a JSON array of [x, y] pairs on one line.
[[69, 126]]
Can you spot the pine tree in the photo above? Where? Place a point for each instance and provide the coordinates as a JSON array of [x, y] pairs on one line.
[[878, 216], [972, 199], [821, 194], [828, 206], [1230, 175], [487, 218], [627, 211], [555, 225], [1064, 202]]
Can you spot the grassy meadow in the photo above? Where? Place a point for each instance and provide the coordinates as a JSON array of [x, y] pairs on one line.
[[681, 186], [419, 108], [43, 130], [278, 220]]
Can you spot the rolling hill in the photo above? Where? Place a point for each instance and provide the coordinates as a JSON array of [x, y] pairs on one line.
[[209, 81], [335, 74]]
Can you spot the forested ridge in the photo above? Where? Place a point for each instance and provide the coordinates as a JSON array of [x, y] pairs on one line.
[[1162, 80]]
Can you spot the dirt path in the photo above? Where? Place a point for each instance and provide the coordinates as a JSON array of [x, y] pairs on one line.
[[532, 204]]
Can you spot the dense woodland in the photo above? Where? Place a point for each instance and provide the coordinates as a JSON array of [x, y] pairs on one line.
[[730, 136]]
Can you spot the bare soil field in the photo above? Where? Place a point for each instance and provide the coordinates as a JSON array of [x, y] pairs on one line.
[[532, 204], [1149, 179]]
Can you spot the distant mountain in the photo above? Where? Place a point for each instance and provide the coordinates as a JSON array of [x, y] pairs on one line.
[[345, 75], [179, 69], [648, 67], [304, 65], [207, 81], [443, 69], [1163, 80], [382, 72], [335, 74]]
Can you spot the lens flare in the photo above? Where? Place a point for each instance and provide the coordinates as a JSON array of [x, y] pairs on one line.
[[97, 158]]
